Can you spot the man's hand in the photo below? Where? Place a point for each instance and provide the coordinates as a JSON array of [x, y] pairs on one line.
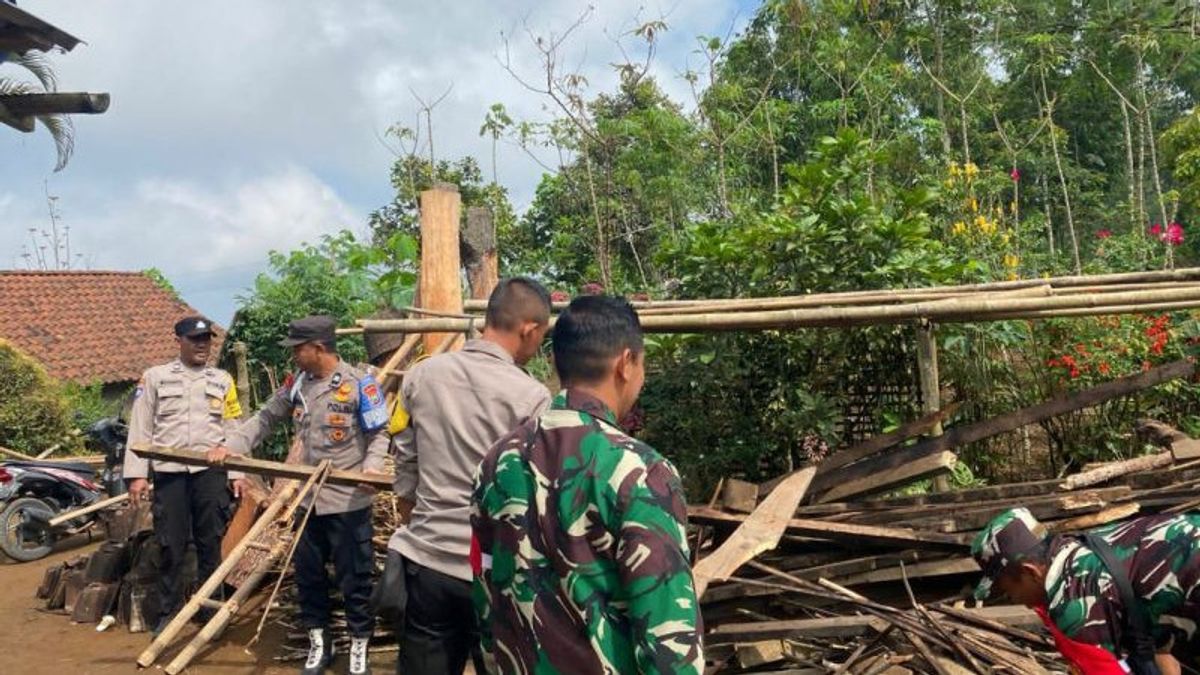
[[139, 489], [239, 486], [405, 507], [217, 454]]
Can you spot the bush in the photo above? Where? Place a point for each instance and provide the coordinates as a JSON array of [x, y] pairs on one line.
[[33, 414]]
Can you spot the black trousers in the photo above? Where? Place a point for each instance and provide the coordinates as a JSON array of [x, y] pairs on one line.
[[188, 507], [344, 538], [440, 629]]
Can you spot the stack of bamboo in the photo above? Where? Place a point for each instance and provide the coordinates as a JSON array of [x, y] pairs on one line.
[[1092, 295]]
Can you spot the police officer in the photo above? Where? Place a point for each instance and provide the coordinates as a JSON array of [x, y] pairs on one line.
[[339, 414], [190, 405]]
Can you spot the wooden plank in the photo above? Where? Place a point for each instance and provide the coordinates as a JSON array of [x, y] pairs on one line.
[[970, 518], [932, 568], [971, 433], [739, 495], [1104, 517], [90, 460], [935, 464], [874, 444], [1108, 472], [850, 626], [1181, 445], [91, 508], [758, 532], [847, 533], [908, 514], [264, 467]]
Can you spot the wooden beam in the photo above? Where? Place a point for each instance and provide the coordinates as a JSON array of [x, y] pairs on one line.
[[739, 495], [58, 103], [266, 468], [971, 433], [931, 568], [1181, 445], [1108, 472], [926, 424], [759, 532], [91, 460], [440, 282], [846, 533], [1104, 517], [936, 464], [91, 508], [850, 626]]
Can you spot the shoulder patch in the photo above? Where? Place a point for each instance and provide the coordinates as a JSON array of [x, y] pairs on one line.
[[371, 409]]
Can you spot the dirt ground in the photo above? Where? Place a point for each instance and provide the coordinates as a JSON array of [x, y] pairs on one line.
[[35, 641]]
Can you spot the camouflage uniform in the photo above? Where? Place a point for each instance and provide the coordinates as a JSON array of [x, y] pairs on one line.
[[579, 554], [1161, 556]]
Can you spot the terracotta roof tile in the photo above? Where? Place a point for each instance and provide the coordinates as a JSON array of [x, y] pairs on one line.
[[91, 326]]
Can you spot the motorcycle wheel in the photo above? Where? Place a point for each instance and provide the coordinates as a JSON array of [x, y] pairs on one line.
[[15, 538]]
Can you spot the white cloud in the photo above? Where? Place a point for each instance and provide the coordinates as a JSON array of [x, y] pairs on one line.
[[254, 125]]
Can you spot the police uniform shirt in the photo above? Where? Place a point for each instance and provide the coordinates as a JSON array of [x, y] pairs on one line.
[[341, 417], [180, 407]]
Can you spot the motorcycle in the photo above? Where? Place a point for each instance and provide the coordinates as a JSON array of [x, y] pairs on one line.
[[33, 492]]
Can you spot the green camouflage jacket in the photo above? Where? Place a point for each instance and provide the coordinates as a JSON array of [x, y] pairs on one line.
[[1161, 555], [580, 560]]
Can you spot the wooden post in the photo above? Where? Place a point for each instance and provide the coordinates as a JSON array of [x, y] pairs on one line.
[[243, 374], [931, 394], [441, 269], [483, 264]]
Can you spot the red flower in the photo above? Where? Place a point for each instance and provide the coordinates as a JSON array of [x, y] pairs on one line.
[[1015, 174], [1156, 229], [1104, 234], [1174, 234], [559, 296], [1074, 373], [1103, 368]]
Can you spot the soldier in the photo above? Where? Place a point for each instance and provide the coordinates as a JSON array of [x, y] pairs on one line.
[[452, 408], [579, 554], [338, 414], [185, 404], [1127, 591]]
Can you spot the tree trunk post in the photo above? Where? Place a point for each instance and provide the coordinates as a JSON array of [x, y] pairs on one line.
[[243, 374], [483, 264], [931, 395], [440, 278]]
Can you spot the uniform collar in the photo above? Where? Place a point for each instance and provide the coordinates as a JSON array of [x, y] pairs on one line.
[[490, 348], [338, 369], [179, 366], [574, 399]]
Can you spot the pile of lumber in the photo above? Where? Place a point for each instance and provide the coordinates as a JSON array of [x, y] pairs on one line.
[[811, 573]]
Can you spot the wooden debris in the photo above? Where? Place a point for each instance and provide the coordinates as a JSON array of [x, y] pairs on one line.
[[1182, 446], [739, 495], [759, 532], [264, 467], [1116, 469]]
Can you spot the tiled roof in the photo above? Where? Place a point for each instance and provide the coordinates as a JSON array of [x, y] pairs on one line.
[[91, 326]]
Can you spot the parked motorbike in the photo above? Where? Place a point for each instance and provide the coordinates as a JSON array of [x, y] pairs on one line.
[[33, 492]]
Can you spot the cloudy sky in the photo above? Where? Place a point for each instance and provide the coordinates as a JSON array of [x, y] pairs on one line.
[[241, 127]]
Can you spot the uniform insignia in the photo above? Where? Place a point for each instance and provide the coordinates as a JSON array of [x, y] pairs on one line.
[[335, 380], [337, 420], [140, 388], [344, 408], [297, 413], [337, 434], [343, 392], [215, 403]]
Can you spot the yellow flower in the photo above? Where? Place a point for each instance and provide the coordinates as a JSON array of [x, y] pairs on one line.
[[1011, 261], [949, 182], [959, 228], [954, 170], [971, 170], [1012, 206], [972, 204], [1005, 237], [1012, 276], [985, 226]]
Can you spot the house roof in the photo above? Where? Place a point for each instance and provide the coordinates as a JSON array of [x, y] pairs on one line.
[[21, 31], [92, 326]]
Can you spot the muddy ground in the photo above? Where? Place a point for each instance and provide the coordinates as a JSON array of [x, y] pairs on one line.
[[35, 641]]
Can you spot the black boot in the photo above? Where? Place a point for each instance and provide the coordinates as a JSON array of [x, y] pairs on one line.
[[320, 651]]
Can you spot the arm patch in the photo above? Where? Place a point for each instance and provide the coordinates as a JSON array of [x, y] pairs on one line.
[[372, 411]]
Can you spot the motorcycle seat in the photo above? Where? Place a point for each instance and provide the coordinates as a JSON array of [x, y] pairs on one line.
[[85, 470]]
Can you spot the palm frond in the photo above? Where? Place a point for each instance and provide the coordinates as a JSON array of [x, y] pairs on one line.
[[36, 63], [62, 130]]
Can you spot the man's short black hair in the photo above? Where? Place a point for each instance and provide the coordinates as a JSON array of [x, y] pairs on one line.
[[516, 300], [590, 333]]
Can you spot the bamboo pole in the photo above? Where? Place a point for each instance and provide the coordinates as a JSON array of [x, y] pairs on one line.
[[91, 460], [931, 390], [1141, 278], [388, 374], [91, 508], [961, 310]]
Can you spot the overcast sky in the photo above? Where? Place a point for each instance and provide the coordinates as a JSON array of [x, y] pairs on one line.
[[240, 127]]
